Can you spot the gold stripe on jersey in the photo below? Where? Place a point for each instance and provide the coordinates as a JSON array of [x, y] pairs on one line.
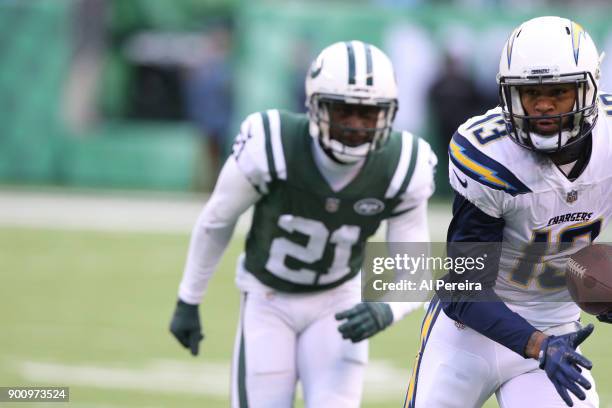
[[428, 323]]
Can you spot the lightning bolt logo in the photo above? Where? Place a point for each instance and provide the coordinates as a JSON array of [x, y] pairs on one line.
[[485, 173], [577, 34], [511, 45]]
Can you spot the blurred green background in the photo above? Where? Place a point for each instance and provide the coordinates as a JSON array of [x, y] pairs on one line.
[[105, 164], [94, 92]]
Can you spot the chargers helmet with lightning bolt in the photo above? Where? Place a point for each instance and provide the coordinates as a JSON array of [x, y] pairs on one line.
[[542, 51]]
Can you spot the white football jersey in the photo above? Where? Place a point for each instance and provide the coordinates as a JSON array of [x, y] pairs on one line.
[[538, 204]]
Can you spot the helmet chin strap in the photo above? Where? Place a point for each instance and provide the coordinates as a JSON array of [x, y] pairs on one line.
[[332, 156], [548, 143]]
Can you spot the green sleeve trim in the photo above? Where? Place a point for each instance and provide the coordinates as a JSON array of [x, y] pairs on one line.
[[242, 391], [402, 212], [269, 153], [414, 154]]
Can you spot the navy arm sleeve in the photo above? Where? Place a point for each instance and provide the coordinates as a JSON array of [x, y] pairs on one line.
[[483, 310]]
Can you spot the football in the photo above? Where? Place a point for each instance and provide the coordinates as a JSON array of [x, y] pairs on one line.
[[589, 278]]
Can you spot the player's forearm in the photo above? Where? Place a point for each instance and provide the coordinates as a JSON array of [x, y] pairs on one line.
[[232, 196], [410, 226], [495, 320], [472, 233], [205, 251]]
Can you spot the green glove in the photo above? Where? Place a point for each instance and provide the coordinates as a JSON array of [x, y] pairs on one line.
[[185, 326], [364, 320]]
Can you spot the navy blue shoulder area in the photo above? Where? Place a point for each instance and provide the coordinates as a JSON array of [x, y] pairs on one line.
[[480, 167]]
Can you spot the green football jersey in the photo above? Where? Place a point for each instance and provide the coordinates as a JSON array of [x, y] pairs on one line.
[[305, 236]]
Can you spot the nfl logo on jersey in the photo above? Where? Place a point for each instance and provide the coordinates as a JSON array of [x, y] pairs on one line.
[[572, 196], [332, 204]]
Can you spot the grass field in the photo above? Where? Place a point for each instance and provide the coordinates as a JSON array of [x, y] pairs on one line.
[[90, 310]]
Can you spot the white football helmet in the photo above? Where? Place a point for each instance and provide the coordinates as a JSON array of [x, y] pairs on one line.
[[549, 50], [351, 72]]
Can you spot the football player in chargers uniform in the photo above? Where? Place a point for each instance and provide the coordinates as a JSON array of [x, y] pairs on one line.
[[320, 185], [534, 170]]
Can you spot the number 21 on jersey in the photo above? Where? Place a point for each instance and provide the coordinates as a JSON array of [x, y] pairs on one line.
[[319, 238]]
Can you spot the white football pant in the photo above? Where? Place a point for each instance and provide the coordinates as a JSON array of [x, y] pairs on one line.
[[283, 338], [457, 367]]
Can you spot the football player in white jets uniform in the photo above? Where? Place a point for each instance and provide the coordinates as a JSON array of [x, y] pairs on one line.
[[321, 184], [534, 170]]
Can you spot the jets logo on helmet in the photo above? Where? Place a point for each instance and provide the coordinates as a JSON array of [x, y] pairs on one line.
[[316, 68], [549, 51], [351, 73]]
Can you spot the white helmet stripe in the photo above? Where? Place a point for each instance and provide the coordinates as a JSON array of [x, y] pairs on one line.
[[360, 62], [363, 63]]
